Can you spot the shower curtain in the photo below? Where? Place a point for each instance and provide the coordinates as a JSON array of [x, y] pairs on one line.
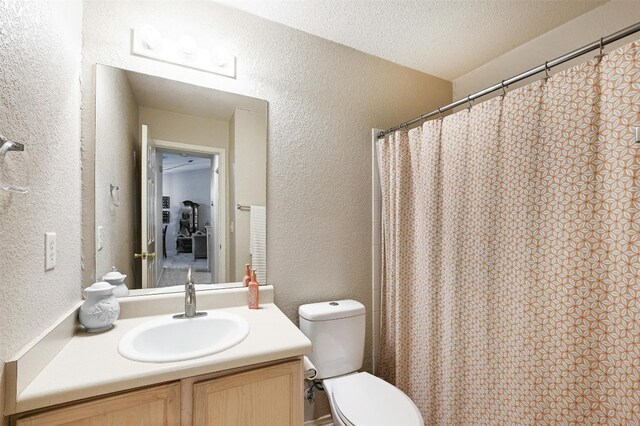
[[511, 254]]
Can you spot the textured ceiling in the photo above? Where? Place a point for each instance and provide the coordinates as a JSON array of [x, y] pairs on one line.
[[444, 38]]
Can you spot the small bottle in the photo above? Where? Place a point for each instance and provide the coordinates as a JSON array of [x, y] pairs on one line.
[[253, 292], [247, 276]]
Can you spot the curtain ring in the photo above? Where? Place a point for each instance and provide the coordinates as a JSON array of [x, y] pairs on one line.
[[600, 55], [504, 92], [469, 102], [546, 71], [440, 112]]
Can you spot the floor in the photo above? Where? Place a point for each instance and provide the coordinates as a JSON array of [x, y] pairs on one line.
[[183, 260], [174, 270], [171, 277]]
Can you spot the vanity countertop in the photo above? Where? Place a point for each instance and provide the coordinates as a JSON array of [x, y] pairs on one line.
[[90, 365]]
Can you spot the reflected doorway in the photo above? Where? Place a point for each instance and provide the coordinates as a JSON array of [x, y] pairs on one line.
[[189, 213]]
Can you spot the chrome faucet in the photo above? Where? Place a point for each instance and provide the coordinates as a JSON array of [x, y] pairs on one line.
[[190, 310]]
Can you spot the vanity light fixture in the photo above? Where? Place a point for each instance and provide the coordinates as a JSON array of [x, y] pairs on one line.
[[151, 38], [185, 51], [221, 56], [187, 45]]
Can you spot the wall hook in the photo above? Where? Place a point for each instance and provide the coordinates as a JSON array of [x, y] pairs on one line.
[[114, 191], [6, 146]]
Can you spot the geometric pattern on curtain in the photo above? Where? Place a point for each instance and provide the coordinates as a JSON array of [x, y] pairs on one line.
[[511, 254]]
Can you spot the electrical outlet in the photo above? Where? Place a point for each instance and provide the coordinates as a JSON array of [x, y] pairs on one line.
[[49, 250], [100, 238]]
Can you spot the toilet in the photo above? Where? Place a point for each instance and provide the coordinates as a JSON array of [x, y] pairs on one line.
[[336, 330]]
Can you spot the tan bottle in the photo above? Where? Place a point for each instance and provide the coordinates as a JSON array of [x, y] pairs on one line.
[[247, 276], [254, 302]]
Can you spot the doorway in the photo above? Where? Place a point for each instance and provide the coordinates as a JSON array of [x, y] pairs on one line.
[[188, 219]]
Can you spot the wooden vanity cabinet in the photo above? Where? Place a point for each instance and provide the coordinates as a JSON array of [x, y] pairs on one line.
[[158, 405], [263, 397], [268, 395]]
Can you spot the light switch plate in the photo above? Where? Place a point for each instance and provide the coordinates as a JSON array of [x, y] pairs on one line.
[[100, 238], [49, 250]]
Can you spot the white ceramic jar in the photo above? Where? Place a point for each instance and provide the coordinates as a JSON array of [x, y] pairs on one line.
[[101, 309], [117, 279]]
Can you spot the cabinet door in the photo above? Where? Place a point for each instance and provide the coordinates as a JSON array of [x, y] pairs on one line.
[[152, 406], [261, 397]]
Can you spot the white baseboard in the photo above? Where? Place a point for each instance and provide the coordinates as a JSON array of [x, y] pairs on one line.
[[322, 421]]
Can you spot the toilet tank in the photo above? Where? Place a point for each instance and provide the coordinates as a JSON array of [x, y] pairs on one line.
[[336, 330]]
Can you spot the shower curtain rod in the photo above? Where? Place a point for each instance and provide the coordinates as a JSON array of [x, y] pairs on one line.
[[540, 68]]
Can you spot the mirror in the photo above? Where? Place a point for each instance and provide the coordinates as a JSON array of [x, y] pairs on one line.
[[180, 181]]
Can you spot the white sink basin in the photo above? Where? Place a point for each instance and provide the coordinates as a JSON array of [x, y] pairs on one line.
[[168, 339]]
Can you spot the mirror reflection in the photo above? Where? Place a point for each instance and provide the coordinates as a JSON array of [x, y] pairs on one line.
[[180, 181]]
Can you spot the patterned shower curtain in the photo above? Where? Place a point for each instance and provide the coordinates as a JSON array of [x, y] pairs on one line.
[[511, 271]]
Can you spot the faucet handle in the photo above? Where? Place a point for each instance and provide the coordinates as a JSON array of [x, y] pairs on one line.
[[189, 277]]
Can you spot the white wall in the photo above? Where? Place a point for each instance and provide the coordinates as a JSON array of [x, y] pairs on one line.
[[599, 22], [39, 106], [117, 148]]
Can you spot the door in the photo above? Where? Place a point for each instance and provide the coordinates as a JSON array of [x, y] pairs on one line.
[[157, 406], [268, 396], [149, 169]]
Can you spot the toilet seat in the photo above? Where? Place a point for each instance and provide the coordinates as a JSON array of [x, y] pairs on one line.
[[365, 400]]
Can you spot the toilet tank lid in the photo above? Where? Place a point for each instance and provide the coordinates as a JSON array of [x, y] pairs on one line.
[[331, 310]]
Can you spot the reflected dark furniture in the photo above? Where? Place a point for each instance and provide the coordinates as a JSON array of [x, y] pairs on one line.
[[183, 244], [164, 242]]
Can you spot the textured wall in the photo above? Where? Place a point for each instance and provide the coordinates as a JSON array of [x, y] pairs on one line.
[[324, 98], [602, 21], [39, 105], [118, 136]]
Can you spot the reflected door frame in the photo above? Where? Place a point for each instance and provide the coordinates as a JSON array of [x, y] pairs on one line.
[[222, 194]]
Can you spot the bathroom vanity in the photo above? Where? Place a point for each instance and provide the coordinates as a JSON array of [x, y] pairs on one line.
[[259, 381]]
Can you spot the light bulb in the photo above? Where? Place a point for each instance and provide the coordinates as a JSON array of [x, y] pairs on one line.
[[221, 56], [151, 37], [187, 45]]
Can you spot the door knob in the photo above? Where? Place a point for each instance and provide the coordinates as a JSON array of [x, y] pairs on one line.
[[144, 256]]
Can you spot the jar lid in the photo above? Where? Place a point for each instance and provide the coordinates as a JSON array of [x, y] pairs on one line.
[[114, 275], [99, 286]]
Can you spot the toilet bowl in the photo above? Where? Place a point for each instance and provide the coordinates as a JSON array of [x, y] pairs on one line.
[[362, 399], [336, 330]]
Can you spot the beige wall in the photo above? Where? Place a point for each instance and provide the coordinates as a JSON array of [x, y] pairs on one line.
[[324, 99], [602, 21], [118, 149], [250, 170], [39, 106], [185, 128]]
